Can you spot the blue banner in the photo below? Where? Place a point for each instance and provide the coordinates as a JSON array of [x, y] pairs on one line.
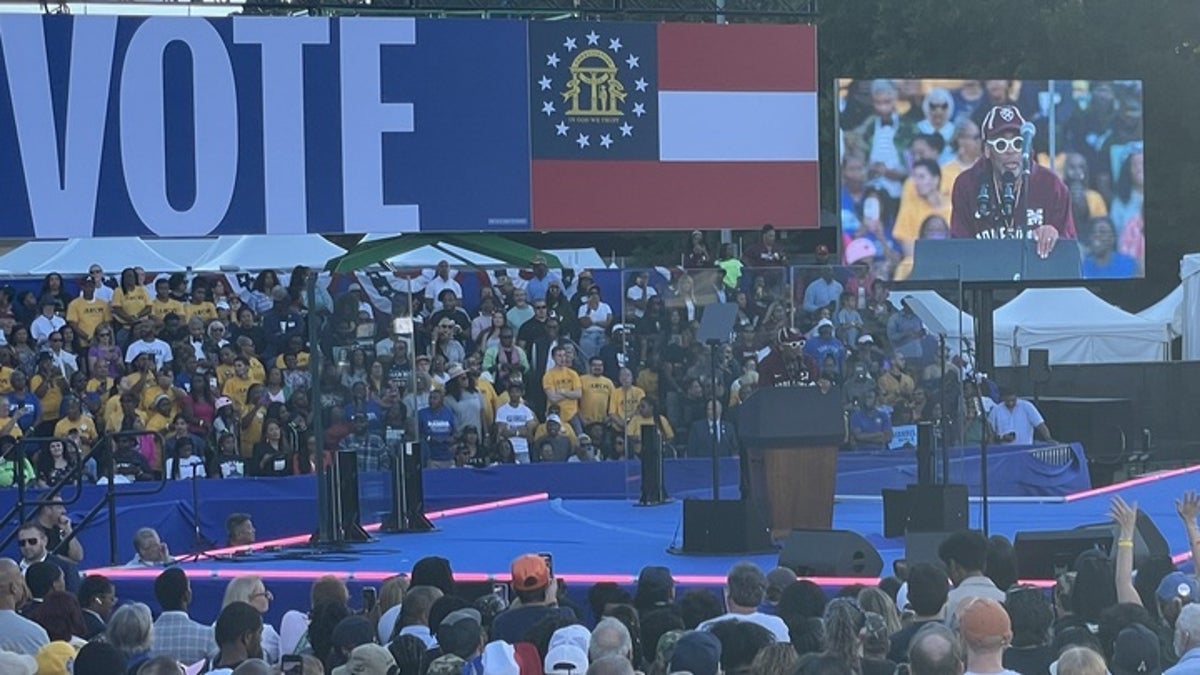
[[189, 127]]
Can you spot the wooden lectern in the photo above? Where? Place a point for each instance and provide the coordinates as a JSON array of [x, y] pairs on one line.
[[791, 436]]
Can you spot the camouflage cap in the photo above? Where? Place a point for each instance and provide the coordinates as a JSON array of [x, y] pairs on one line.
[[446, 665], [666, 646]]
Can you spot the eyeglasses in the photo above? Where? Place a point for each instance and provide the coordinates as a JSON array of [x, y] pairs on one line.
[[539, 307], [1003, 145], [95, 271], [104, 334], [263, 594], [939, 106], [28, 542]]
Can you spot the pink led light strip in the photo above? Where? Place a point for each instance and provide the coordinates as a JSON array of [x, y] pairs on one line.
[[1130, 483], [304, 539]]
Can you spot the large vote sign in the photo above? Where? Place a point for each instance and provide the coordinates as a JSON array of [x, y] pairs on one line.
[[188, 126]]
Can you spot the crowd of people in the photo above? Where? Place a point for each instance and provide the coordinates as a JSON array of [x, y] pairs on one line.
[[540, 368], [906, 142], [965, 612]]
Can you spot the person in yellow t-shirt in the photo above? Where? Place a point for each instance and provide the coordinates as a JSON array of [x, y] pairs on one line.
[[623, 403], [563, 388], [926, 177], [125, 417], [48, 385], [88, 312], [646, 416], [130, 301], [79, 422], [163, 303], [249, 351], [253, 414], [238, 386], [597, 393], [160, 419], [200, 306]]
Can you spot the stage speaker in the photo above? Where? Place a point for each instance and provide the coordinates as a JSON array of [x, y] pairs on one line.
[[922, 547], [895, 512], [1148, 542], [408, 493], [1039, 366], [653, 491], [1047, 554], [924, 508], [830, 553], [937, 508], [723, 526], [346, 476]]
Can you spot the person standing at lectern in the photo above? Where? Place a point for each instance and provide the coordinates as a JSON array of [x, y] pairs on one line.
[[996, 199], [787, 365], [1017, 421]]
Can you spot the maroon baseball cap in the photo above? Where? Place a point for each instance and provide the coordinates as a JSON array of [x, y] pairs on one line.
[[1000, 119]]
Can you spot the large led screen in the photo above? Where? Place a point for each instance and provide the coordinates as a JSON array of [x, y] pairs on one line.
[[992, 180]]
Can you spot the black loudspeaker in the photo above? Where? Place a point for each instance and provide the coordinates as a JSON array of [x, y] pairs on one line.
[[937, 508], [1039, 365], [924, 508], [1045, 555], [346, 476], [723, 527], [653, 491], [408, 493], [1148, 542], [830, 553], [922, 547], [895, 512]]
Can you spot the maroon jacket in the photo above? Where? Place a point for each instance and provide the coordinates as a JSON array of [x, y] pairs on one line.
[[776, 370], [1043, 201]]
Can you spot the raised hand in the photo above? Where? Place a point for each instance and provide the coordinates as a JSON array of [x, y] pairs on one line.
[[1188, 506], [1124, 515]]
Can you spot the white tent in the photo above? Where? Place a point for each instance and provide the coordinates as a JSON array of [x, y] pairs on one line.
[[111, 253], [578, 258], [1169, 309], [1077, 327], [1189, 274], [185, 251], [25, 257], [946, 318], [269, 251]]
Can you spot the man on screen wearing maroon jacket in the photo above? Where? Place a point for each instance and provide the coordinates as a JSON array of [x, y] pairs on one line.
[[995, 200]]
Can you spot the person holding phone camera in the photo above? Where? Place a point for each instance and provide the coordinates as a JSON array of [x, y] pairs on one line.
[[536, 592], [1017, 421]]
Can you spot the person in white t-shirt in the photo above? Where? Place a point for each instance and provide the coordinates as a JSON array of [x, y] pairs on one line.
[[440, 282], [745, 588], [595, 316], [516, 422], [640, 293], [1017, 421]]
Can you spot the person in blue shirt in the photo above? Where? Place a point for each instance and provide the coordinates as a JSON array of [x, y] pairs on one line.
[[435, 427], [22, 404], [1103, 260], [825, 344], [870, 427]]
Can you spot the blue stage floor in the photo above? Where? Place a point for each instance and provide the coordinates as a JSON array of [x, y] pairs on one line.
[[595, 540]]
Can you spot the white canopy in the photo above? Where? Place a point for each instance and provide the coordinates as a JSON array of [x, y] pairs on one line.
[[1189, 273], [1169, 309], [186, 252], [1077, 327], [25, 257], [270, 251], [947, 318], [578, 258], [111, 253]]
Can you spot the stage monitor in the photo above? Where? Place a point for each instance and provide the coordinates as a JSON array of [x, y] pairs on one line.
[[1045, 555], [992, 180]]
